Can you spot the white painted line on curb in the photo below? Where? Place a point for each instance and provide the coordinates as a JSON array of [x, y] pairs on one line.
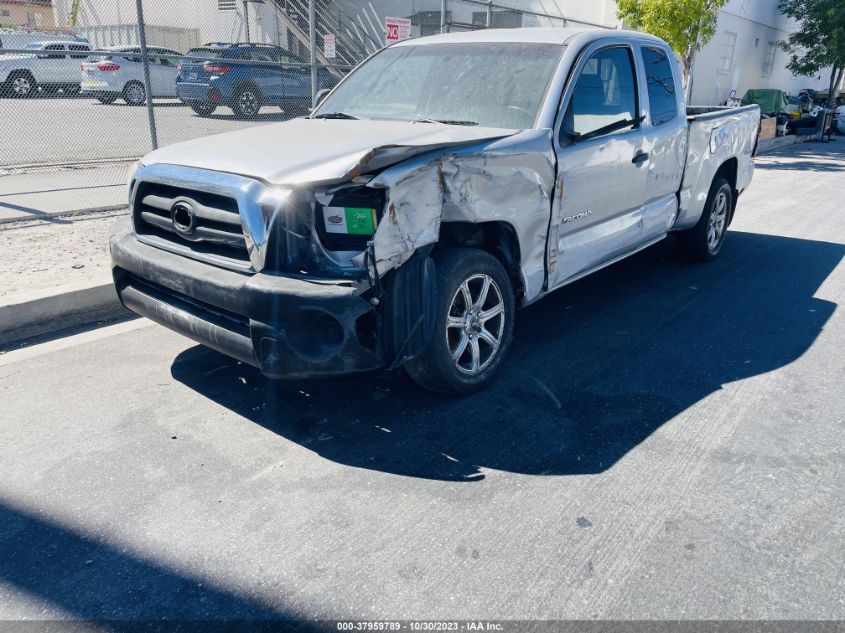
[[48, 347]]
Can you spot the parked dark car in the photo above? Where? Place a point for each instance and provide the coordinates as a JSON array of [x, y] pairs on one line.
[[245, 77]]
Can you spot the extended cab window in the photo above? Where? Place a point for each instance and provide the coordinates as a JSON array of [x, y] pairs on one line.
[[605, 94], [662, 100]]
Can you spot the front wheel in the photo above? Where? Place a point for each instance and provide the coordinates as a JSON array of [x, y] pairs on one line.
[[107, 99], [473, 325], [247, 103], [704, 241]]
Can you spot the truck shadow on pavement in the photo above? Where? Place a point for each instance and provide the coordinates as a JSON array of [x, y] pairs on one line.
[[82, 576], [594, 369]]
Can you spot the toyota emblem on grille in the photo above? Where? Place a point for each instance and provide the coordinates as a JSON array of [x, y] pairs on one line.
[[182, 218]]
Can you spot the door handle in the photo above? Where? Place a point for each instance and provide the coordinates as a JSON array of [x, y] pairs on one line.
[[640, 157]]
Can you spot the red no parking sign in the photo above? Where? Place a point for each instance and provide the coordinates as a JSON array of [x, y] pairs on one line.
[[396, 29]]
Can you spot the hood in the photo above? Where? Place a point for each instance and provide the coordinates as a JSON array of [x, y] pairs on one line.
[[317, 150]]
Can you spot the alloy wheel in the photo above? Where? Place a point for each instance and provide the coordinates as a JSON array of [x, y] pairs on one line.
[[21, 86], [718, 222], [248, 103], [475, 324]]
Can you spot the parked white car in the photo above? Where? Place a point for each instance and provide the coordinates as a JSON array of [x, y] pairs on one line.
[[15, 39], [52, 65], [119, 73]]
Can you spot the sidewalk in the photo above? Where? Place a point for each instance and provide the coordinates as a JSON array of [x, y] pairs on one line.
[[56, 274], [49, 192]]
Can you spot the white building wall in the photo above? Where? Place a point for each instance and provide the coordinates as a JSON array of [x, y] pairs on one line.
[[756, 27], [204, 16]]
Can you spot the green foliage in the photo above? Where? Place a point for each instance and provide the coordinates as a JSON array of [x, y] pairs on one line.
[[686, 25], [820, 42]]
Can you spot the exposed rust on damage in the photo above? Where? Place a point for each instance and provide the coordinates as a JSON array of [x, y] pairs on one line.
[[391, 211], [361, 166]]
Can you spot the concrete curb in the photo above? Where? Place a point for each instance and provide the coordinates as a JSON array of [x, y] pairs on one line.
[[46, 217], [53, 309]]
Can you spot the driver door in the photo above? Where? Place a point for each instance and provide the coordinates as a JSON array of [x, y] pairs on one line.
[[601, 175]]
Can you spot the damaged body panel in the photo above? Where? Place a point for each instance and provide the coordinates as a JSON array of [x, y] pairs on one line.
[[395, 225]]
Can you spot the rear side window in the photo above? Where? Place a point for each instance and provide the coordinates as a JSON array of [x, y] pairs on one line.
[[662, 98], [606, 92]]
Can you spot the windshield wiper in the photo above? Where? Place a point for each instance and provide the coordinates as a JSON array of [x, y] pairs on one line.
[[336, 115], [607, 129], [445, 121]]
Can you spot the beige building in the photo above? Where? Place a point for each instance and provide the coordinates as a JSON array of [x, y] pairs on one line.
[[27, 13]]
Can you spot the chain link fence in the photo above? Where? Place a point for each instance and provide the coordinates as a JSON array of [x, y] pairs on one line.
[[79, 104]]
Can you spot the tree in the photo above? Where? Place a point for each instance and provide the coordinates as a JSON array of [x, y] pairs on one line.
[[686, 25], [820, 40]]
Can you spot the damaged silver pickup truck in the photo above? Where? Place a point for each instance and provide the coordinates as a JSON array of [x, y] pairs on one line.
[[442, 184]]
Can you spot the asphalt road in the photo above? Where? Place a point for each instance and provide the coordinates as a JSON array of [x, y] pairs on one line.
[[50, 131], [666, 441]]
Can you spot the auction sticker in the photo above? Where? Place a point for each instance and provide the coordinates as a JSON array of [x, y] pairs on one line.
[[350, 220]]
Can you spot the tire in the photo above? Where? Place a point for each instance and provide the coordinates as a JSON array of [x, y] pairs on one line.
[[449, 364], [246, 102], [21, 84], [703, 242], [134, 93], [107, 99], [203, 108]]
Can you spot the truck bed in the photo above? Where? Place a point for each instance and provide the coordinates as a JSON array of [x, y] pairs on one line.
[[717, 135]]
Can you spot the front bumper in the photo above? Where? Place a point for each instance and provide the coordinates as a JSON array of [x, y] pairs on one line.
[[288, 327]]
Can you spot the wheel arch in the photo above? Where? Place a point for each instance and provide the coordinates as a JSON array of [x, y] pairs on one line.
[[498, 238]]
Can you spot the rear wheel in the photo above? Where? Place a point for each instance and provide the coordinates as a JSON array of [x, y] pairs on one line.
[[473, 326], [21, 84], [704, 241], [203, 108], [247, 102], [134, 93]]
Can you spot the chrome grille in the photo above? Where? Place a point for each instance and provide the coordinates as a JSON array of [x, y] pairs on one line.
[[207, 224]]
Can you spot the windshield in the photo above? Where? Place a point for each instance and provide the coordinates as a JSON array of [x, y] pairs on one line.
[[494, 84]]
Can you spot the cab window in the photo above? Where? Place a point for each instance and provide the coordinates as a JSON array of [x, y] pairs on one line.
[[605, 94], [662, 96]]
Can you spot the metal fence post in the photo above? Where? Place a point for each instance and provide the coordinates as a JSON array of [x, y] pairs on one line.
[[246, 20], [489, 13], [443, 16], [312, 39], [145, 60]]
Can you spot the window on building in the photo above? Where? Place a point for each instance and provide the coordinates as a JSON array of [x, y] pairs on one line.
[[5, 13], [729, 45], [662, 97], [769, 61], [226, 5]]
